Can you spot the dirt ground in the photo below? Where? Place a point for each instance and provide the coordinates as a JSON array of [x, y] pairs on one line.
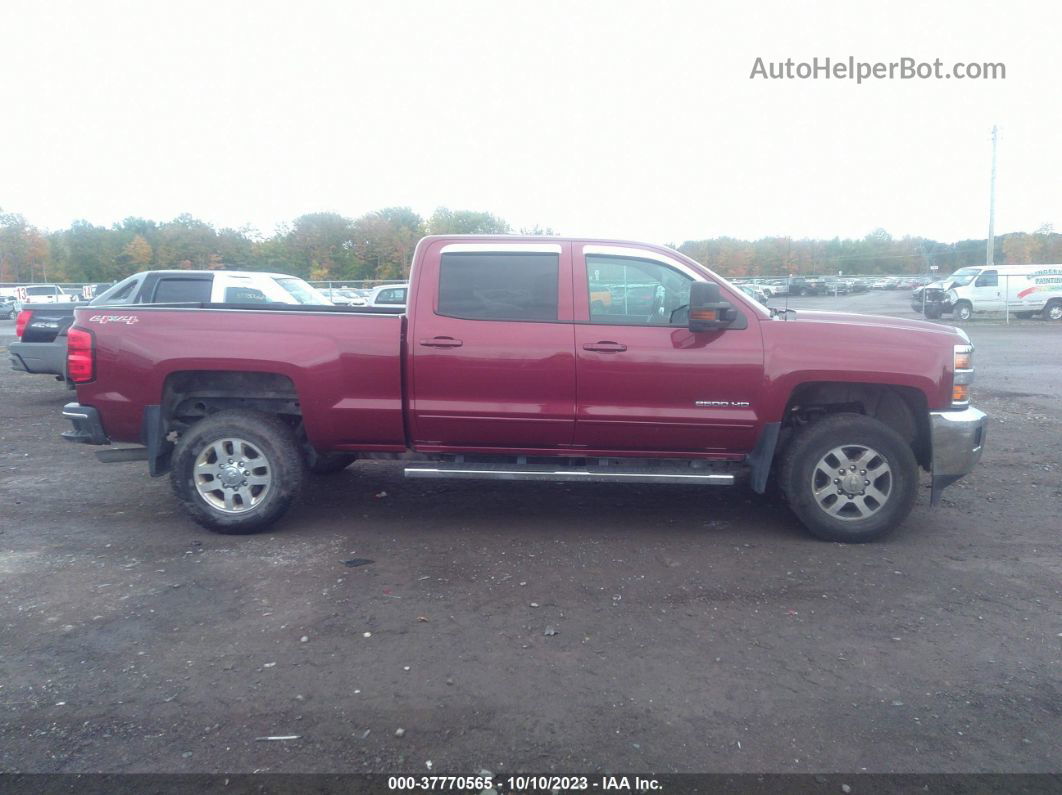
[[695, 630]]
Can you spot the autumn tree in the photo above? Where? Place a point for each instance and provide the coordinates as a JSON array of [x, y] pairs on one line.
[[137, 252], [384, 241]]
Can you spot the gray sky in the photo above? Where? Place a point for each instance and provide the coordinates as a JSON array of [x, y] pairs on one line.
[[613, 119]]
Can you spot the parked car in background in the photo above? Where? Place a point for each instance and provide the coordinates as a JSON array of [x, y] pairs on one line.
[[388, 295], [807, 285], [41, 328], [7, 307], [835, 286], [343, 296], [755, 292], [42, 294]]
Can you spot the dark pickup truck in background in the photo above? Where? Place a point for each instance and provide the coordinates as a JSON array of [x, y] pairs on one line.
[[42, 328], [504, 366]]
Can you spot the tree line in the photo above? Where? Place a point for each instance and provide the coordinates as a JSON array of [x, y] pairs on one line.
[[379, 245]]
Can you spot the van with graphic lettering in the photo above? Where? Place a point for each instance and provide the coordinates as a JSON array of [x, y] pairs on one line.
[[1021, 290]]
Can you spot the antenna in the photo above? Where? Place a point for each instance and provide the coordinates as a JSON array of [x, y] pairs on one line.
[[991, 254]]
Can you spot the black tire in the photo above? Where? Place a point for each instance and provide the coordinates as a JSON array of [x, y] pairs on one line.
[[328, 463], [963, 310], [1053, 310], [281, 460], [933, 312], [814, 444]]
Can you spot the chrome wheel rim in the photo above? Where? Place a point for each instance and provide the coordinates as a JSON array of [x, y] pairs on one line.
[[852, 482], [232, 475], [1055, 312]]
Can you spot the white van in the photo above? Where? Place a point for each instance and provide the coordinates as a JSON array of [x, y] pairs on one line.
[[1023, 290]]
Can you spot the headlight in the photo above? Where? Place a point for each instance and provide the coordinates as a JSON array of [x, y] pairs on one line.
[[963, 376]]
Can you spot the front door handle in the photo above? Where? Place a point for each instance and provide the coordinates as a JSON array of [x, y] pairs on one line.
[[441, 342], [605, 346]]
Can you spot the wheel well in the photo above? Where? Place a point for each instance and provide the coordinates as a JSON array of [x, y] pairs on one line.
[[190, 395], [904, 409]]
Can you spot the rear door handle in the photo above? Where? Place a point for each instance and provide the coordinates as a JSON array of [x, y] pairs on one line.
[[605, 346], [441, 342]]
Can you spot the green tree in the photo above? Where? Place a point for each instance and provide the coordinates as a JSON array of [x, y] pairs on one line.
[[465, 222], [384, 241]]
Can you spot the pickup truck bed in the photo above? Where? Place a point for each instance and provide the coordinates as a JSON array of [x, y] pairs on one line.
[[504, 367]]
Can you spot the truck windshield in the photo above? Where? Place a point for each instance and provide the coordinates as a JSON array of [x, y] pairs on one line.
[[302, 292], [963, 276]]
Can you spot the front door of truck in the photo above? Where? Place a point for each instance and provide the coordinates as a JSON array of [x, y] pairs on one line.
[[491, 343], [645, 382]]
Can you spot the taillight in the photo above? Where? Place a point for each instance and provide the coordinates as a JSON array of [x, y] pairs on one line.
[[80, 356], [22, 321]]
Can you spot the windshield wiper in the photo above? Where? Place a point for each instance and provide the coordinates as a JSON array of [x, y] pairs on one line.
[[776, 311]]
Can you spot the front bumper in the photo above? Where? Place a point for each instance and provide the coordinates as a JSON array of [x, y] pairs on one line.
[[87, 426], [39, 358], [958, 439]]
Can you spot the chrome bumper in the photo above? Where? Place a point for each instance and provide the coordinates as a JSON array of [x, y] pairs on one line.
[[958, 438]]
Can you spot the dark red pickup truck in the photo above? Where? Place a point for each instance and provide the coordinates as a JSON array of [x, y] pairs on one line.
[[536, 359]]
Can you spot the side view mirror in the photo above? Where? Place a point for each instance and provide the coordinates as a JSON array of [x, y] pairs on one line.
[[708, 310]]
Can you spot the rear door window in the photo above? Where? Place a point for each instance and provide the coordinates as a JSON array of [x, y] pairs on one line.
[[499, 285]]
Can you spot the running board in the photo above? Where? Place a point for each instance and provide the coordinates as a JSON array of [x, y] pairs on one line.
[[570, 475]]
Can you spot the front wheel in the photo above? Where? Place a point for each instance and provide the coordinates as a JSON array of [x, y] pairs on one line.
[[849, 478], [963, 310], [237, 472], [1053, 311]]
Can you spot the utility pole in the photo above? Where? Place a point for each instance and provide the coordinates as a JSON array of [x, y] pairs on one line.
[[991, 254]]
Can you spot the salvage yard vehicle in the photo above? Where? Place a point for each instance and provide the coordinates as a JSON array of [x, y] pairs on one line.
[[1022, 290], [500, 370], [42, 328]]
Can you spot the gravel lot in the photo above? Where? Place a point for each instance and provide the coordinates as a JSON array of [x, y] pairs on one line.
[[695, 630]]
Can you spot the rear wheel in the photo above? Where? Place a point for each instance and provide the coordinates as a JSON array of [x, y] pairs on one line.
[[849, 478], [1053, 310], [963, 310], [237, 472]]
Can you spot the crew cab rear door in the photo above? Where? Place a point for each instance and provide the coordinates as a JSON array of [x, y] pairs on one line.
[[490, 340], [646, 384]]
